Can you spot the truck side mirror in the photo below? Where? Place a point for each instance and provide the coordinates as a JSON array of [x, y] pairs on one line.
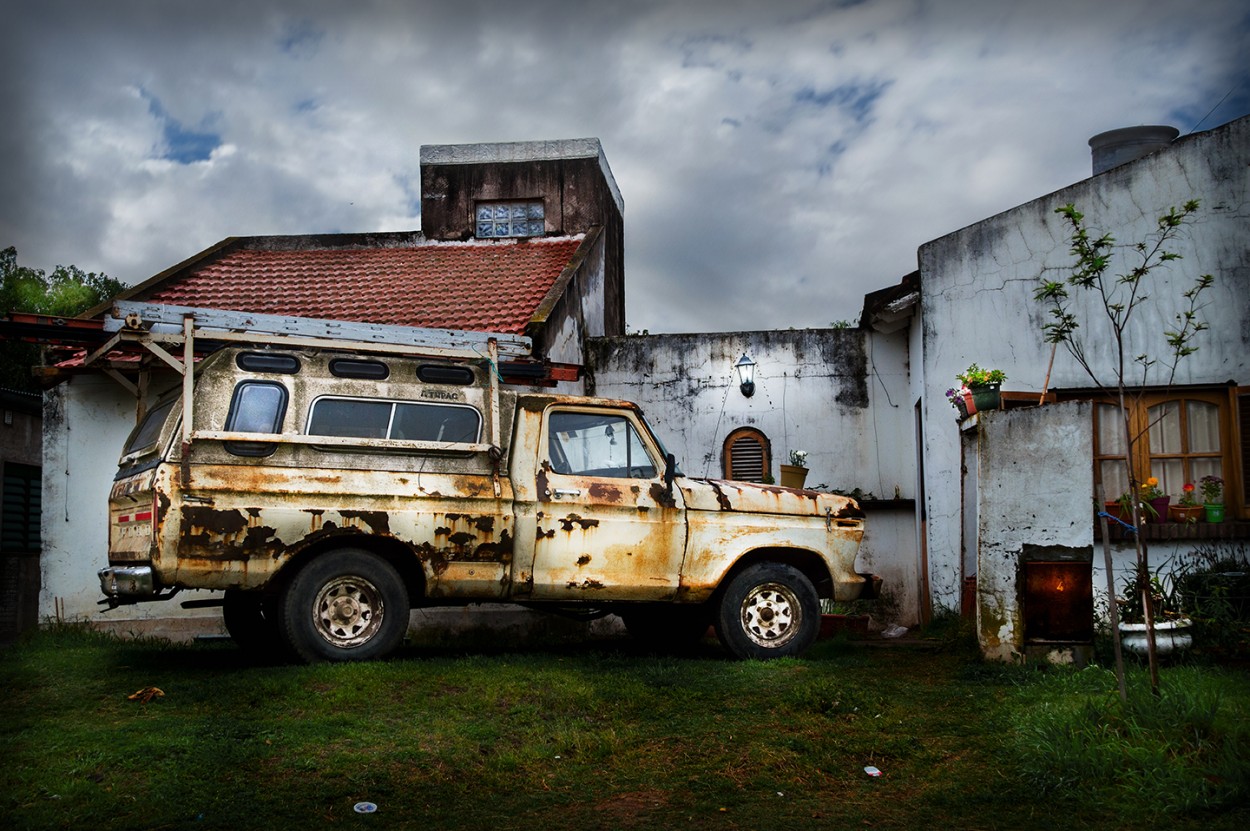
[[670, 472]]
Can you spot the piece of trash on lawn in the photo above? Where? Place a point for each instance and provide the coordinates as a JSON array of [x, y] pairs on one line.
[[365, 808], [894, 631], [146, 694], [872, 771]]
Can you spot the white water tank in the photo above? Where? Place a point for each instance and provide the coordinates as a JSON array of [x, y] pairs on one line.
[[1116, 147]]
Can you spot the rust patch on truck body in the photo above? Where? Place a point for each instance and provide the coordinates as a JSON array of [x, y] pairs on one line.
[[569, 521]]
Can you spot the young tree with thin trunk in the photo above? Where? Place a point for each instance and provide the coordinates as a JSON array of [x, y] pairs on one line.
[[1119, 296]]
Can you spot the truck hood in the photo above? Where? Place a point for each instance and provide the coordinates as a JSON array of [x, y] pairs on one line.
[[749, 497]]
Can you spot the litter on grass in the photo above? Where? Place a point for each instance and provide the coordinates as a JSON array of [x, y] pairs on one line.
[[146, 694]]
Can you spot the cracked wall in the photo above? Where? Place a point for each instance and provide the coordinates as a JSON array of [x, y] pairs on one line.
[[977, 301], [842, 395]]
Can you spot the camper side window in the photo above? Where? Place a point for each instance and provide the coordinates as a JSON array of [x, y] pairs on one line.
[[257, 407], [143, 437], [394, 420]]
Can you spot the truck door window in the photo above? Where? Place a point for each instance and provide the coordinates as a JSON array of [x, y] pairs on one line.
[[257, 407], [592, 444]]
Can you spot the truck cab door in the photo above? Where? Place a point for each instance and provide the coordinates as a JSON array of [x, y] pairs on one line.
[[606, 526]]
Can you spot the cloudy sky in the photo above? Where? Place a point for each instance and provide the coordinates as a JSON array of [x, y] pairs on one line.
[[778, 159]]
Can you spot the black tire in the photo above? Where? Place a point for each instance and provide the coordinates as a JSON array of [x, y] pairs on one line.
[[667, 628], [251, 620], [346, 605], [769, 610]]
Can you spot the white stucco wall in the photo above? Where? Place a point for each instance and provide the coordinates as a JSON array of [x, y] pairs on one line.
[[1029, 494], [86, 422], [841, 395], [977, 303]]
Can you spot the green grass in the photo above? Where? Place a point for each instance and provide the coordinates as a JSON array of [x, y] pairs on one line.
[[603, 736]]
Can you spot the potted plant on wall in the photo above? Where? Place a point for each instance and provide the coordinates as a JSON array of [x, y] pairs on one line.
[[984, 385], [961, 400], [1213, 498], [1187, 510], [794, 474]]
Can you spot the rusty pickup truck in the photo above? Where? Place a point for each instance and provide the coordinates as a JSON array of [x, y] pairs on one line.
[[327, 494]]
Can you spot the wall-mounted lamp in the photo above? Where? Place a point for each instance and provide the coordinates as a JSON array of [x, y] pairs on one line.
[[746, 375]]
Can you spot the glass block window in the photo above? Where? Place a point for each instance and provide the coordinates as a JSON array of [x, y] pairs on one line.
[[510, 219]]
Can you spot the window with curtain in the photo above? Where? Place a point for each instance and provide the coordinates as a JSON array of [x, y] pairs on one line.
[[1183, 437]]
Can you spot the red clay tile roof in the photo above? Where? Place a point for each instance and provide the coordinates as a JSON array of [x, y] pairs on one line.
[[482, 286]]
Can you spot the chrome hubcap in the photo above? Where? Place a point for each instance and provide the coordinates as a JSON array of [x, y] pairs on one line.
[[348, 611], [770, 614]]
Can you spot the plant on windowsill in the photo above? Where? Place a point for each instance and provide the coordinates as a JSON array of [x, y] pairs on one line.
[[1187, 510], [1156, 499], [794, 474], [983, 384], [1213, 498], [1122, 508]]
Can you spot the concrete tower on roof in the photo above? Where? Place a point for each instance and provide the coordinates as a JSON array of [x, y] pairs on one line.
[[566, 184]]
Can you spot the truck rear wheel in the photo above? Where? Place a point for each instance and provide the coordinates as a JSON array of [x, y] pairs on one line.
[[769, 610], [346, 605]]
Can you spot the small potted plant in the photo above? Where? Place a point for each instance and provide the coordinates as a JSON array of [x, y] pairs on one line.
[[794, 474], [1213, 497], [984, 385], [1156, 499], [961, 400], [1187, 510], [1122, 508]]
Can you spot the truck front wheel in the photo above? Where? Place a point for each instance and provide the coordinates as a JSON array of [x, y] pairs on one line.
[[769, 610], [346, 605]]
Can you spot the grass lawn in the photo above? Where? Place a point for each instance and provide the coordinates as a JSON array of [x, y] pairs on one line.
[[604, 736]]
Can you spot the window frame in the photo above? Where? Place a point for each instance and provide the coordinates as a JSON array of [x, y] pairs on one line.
[[635, 432], [394, 403], [1140, 402], [255, 448], [511, 204]]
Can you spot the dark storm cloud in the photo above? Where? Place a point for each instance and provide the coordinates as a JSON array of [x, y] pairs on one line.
[[777, 160]]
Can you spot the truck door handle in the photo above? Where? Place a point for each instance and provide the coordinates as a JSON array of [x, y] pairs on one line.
[[567, 492]]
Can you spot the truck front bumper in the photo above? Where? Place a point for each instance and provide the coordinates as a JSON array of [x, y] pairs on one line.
[[127, 582]]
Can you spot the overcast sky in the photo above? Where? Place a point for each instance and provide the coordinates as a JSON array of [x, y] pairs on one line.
[[778, 158]]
